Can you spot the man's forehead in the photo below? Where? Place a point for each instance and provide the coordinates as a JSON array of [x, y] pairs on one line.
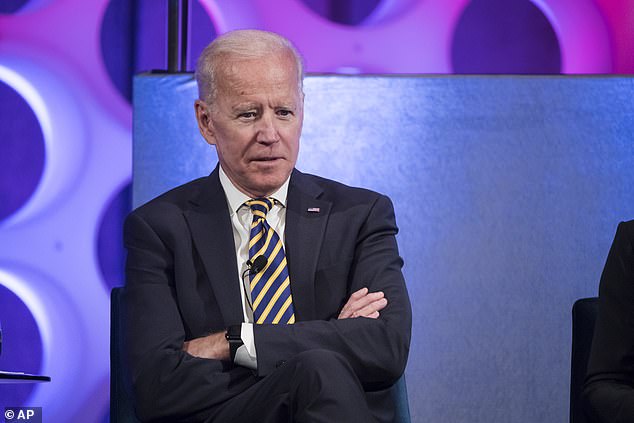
[[252, 74], [232, 64]]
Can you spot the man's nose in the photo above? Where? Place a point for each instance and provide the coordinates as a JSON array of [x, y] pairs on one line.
[[267, 130]]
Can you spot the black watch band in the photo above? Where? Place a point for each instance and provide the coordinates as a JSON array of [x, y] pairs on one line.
[[235, 340]]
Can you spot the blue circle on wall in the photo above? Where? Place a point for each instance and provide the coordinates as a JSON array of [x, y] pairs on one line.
[[23, 151], [110, 251], [21, 346], [134, 39], [117, 32], [345, 12], [505, 37], [11, 6]]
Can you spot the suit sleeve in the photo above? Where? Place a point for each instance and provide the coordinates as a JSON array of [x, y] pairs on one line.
[[609, 389], [168, 384], [377, 349]]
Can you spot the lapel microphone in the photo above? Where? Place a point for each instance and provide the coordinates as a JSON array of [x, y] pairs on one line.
[[253, 267], [258, 264]]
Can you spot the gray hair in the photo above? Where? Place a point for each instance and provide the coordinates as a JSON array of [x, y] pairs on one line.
[[244, 44]]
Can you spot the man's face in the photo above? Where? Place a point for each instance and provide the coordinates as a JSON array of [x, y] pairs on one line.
[[255, 121]]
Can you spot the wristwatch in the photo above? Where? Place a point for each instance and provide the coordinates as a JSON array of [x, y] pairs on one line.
[[235, 340]]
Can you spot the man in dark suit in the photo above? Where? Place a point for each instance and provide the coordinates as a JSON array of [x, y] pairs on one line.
[[317, 330], [609, 389]]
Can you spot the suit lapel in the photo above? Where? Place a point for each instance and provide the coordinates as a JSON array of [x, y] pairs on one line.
[[211, 230], [306, 218]]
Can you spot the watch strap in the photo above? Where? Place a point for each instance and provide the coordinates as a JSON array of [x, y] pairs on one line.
[[234, 337]]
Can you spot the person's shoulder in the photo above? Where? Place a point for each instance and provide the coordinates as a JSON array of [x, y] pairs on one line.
[[176, 199], [627, 226], [625, 231], [337, 191]]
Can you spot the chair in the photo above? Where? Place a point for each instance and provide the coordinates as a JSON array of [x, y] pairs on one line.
[[121, 408], [584, 316], [399, 391]]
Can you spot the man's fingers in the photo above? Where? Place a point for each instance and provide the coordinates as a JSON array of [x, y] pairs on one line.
[[358, 304], [363, 304], [358, 294], [346, 312], [349, 308], [357, 301], [372, 308]]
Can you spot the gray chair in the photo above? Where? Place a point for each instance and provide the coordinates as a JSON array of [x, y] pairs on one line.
[[584, 316], [121, 408]]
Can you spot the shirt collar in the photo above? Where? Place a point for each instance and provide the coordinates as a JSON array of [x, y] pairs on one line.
[[236, 198]]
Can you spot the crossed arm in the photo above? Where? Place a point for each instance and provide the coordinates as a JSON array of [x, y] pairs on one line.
[[166, 363], [361, 303]]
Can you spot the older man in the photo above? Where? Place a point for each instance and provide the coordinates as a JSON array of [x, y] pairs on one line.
[[260, 293]]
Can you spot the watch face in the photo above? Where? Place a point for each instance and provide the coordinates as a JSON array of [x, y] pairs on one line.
[[234, 332]]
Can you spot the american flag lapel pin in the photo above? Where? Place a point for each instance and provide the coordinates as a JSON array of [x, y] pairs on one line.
[[313, 210]]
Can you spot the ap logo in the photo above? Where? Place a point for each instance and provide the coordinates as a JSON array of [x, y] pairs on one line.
[[23, 414]]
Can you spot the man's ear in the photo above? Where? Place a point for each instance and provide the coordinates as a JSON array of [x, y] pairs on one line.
[[205, 124]]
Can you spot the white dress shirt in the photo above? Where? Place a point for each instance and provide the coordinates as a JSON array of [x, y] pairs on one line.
[[241, 219]]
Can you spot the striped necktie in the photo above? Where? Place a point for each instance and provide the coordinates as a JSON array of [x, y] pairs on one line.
[[270, 287]]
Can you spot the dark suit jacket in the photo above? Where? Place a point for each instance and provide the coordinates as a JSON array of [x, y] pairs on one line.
[[182, 283], [609, 388]]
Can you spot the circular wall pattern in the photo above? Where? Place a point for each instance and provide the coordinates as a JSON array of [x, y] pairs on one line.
[[202, 32], [21, 346], [502, 36], [345, 12], [116, 50], [23, 151], [110, 239], [147, 51], [49, 245], [11, 6]]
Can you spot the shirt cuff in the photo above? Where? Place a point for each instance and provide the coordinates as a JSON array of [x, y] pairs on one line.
[[245, 354]]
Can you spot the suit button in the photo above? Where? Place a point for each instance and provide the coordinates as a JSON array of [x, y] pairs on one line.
[[280, 363]]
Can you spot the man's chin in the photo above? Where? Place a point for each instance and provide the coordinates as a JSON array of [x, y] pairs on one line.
[[265, 185]]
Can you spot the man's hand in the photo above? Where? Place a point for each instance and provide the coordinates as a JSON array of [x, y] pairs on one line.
[[214, 346], [364, 304]]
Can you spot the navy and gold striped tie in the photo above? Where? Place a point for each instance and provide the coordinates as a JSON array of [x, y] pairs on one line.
[[270, 287]]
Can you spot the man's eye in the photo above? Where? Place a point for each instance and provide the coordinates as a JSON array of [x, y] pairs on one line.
[[284, 112], [247, 115]]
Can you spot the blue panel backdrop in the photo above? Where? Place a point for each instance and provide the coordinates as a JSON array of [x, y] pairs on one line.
[[507, 192]]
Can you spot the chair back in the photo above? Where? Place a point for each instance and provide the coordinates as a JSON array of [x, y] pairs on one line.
[[121, 408], [399, 391], [584, 316]]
